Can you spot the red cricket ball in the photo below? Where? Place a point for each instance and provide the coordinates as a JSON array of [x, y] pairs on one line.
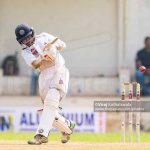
[[142, 69]]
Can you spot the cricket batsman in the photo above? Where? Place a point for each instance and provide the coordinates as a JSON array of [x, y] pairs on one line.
[[42, 52]]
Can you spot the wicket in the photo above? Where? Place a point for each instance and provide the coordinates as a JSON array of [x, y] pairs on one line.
[[130, 98]]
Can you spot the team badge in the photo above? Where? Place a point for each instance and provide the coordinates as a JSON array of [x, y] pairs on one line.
[[21, 32], [34, 52]]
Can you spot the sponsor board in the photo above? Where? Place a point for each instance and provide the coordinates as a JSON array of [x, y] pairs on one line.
[[86, 120], [27, 119], [6, 119]]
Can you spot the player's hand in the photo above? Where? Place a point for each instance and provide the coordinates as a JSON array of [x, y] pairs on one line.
[[48, 57], [47, 47], [60, 46], [147, 72]]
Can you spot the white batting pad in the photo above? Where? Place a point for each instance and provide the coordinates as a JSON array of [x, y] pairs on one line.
[[51, 104], [62, 124]]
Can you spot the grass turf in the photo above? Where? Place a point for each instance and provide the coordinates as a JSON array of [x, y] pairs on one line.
[[76, 137]]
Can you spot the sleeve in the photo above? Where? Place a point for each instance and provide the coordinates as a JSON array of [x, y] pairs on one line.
[[138, 56], [59, 43], [28, 57], [48, 37]]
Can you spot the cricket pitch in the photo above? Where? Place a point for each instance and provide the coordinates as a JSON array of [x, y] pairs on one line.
[[19, 145]]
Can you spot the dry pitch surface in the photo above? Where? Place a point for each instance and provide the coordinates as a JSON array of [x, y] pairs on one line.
[[21, 145]]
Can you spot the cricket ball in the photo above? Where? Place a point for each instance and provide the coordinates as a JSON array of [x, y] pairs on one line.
[[142, 69]]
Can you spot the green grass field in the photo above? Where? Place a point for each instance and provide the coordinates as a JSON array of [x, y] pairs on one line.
[[79, 141], [76, 137]]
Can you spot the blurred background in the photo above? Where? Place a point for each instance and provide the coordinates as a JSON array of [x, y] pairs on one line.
[[103, 39]]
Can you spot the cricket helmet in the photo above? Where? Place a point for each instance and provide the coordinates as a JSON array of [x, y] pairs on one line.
[[22, 31]]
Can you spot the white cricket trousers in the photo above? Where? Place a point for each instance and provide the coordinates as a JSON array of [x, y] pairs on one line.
[[53, 86]]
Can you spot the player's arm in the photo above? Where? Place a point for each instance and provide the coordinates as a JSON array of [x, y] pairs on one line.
[[57, 43], [54, 42], [45, 56], [60, 45], [36, 63], [138, 61]]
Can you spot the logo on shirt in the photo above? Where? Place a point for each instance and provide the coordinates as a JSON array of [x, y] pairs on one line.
[[34, 52]]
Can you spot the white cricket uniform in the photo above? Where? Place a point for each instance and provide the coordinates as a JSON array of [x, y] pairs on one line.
[[56, 76], [53, 84]]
